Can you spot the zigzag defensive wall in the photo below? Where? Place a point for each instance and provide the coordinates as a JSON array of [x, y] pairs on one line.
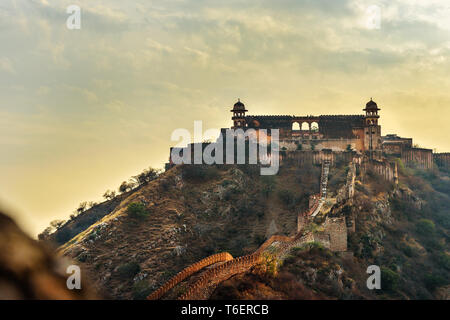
[[188, 271], [335, 231], [201, 288]]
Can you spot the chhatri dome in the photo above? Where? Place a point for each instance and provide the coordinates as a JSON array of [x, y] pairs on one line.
[[239, 106], [371, 105]]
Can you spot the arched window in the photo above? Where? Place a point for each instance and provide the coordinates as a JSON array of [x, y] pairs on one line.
[[295, 126], [315, 126], [305, 126]]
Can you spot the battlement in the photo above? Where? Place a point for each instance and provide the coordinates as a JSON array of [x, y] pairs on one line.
[[442, 159], [186, 272], [348, 116], [281, 117]]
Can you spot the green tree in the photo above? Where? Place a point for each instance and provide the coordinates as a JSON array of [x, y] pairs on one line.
[[146, 176], [389, 279], [425, 227], [137, 210]]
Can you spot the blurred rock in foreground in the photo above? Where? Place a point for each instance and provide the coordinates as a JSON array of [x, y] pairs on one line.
[[30, 271]]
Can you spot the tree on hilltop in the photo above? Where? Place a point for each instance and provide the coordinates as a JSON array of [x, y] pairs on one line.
[[57, 223], [109, 194], [146, 176], [126, 186]]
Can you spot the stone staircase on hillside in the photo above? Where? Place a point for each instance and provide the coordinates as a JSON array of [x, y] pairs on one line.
[[323, 187]]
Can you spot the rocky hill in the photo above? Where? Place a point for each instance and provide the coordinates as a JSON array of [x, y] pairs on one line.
[[188, 213], [191, 212]]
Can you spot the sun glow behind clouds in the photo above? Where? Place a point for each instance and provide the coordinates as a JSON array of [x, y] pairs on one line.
[[82, 110]]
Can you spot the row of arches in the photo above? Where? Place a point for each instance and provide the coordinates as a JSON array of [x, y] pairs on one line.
[[305, 126]]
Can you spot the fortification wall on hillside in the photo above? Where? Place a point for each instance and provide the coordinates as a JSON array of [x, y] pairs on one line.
[[303, 217], [348, 190], [230, 266], [388, 171], [302, 158], [333, 237], [186, 272], [201, 289], [271, 240], [336, 229], [422, 158], [442, 159], [318, 144]]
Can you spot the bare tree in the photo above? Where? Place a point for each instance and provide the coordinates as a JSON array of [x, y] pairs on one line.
[[127, 186], [109, 194], [57, 224], [81, 207]]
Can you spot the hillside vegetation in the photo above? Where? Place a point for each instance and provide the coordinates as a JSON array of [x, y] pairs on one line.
[[186, 214], [191, 212]]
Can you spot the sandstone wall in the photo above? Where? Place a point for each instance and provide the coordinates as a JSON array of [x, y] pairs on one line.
[[302, 158], [442, 160], [334, 237], [185, 273], [386, 170], [202, 288], [336, 228], [422, 158]]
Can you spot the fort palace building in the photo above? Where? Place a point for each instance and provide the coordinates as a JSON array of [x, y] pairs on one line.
[[360, 133], [313, 137]]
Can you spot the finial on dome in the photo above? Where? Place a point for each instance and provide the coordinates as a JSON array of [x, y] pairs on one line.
[[239, 106]]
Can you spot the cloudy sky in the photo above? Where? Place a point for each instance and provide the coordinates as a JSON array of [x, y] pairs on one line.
[[83, 110]]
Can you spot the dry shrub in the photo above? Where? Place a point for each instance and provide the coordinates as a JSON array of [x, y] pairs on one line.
[[294, 290]]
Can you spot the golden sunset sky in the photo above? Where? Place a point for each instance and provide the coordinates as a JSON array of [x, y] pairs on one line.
[[83, 110]]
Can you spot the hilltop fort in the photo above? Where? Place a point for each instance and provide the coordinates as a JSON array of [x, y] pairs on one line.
[[345, 197], [313, 138]]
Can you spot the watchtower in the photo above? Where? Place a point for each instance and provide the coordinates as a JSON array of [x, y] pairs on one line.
[[371, 113], [239, 115], [372, 139]]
